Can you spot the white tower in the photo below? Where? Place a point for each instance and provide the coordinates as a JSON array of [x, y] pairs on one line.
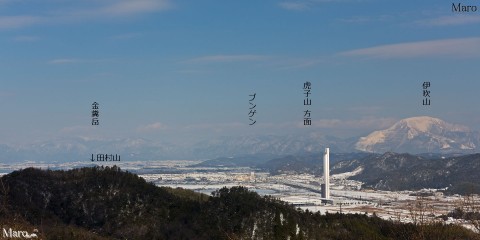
[[326, 172]]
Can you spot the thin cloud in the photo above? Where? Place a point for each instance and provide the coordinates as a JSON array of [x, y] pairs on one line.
[[272, 61], [305, 4], [26, 38], [193, 71], [297, 63], [76, 129], [296, 6], [227, 58], [366, 110], [64, 61], [357, 19], [454, 20], [59, 61], [367, 19], [214, 126], [124, 8], [460, 47], [10, 22], [152, 127], [112, 9], [363, 123], [126, 36], [136, 7]]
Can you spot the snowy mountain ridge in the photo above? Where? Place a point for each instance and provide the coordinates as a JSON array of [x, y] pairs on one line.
[[419, 135], [413, 135]]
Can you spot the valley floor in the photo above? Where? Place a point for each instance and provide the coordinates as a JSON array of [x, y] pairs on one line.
[[303, 191]]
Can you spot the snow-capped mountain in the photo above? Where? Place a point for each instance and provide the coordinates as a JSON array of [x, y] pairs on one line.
[[421, 135]]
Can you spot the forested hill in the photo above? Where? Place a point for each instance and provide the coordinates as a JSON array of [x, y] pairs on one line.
[[396, 172], [106, 203]]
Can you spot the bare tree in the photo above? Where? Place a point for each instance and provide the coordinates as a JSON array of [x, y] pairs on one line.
[[471, 208], [4, 189], [397, 215], [412, 212], [418, 211], [422, 213]]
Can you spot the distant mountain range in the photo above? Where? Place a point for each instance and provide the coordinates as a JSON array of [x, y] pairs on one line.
[[412, 135], [80, 149]]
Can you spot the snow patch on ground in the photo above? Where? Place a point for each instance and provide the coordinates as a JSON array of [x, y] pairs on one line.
[[347, 174]]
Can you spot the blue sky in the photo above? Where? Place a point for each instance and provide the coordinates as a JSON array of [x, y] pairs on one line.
[[182, 70]]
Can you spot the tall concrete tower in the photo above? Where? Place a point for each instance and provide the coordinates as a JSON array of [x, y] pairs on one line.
[[326, 173]]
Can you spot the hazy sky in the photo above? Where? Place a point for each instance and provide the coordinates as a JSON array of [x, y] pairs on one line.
[[183, 70]]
